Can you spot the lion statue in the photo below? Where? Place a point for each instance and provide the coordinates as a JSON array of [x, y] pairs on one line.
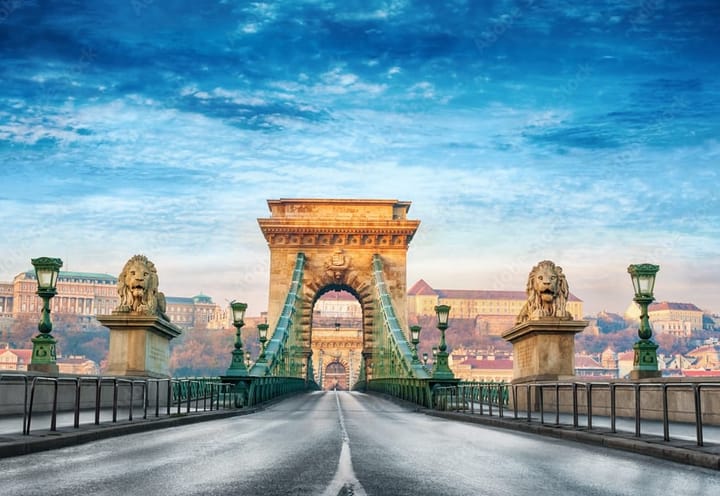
[[138, 289], [547, 294]]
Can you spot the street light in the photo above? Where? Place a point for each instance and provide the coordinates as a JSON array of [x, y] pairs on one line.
[[247, 359], [425, 359], [237, 365], [441, 369], [262, 336], [645, 350], [43, 354], [415, 336]]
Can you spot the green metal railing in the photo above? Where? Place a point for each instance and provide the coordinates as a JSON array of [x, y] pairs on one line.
[[417, 391], [473, 397], [267, 388]]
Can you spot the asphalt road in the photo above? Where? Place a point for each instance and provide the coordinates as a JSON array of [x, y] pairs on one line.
[[344, 444]]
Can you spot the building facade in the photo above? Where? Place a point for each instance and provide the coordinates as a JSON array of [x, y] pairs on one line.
[[496, 310], [87, 294]]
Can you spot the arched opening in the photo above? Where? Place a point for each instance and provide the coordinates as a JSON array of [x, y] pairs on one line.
[[336, 377], [336, 337]]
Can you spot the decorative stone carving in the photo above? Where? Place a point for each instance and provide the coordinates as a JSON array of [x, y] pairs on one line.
[[547, 294], [138, 289], [337, 265]]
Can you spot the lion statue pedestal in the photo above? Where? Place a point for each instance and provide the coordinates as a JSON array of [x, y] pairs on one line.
[[543, 338], [140, 331]]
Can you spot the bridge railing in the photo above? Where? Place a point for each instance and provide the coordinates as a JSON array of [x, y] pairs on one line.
[[640, 408], [96, 399], [670, 403], [483, 398], [418, 391], [268, 388]]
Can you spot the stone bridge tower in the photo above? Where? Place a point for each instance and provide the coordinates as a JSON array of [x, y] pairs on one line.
[[339, 239]]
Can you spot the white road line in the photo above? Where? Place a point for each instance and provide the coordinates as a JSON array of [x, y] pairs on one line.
[[344, 482]]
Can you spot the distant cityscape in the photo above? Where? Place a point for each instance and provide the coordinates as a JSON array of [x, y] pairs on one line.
[[481, 312]]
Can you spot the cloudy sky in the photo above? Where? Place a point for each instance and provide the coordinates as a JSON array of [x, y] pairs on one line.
[[521, 130]]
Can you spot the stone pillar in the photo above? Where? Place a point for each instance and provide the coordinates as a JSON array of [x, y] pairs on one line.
[[139, 345], [544, 349]]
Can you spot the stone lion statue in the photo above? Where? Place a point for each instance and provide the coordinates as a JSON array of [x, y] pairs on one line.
[[547, 294], [138, 289]]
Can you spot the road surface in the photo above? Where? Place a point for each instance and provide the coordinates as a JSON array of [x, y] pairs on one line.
[[329, 444]]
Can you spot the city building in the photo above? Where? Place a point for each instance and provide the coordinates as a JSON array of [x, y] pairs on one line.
[[197, 311], [14, 359], [588, 366], [676, 319], [494, 310], [481, 365]]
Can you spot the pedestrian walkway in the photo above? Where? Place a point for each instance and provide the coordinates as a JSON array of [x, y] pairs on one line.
[[682, 447]]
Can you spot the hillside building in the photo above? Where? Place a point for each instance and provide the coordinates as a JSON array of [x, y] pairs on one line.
[[495, 311], [87, 294]]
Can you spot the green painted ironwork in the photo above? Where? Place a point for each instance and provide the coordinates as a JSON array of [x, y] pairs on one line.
[[418, 391], [392, 354], [471, 396], [283, 353]]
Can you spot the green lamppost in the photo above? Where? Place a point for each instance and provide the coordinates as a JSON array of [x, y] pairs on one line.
[[237, 365], [425, 359], [441, 370], [415, 336], [645, 363], [262, 337], [43, 354]]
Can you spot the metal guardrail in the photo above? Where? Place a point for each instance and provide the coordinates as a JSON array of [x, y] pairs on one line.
[[179, 393], [480, 398], [638, 388]]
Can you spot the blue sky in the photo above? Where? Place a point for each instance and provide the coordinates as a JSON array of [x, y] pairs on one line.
[[581, 132]]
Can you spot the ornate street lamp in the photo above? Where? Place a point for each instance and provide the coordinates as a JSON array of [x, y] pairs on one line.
[[43, 354], [645, 350], [441, 369], [425, 359], [415, 336], [262, 336], [237, 365], [247, 359]]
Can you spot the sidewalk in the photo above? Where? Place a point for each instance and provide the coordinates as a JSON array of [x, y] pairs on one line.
[[681, 448]]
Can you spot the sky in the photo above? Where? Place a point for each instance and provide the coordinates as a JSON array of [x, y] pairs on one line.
[[586, 133]]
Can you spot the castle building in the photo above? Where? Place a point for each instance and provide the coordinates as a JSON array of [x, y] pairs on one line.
[[495, 310], [87, 294], [677, 319]]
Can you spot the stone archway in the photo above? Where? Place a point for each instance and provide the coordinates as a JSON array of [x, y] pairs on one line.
[[339, 239]]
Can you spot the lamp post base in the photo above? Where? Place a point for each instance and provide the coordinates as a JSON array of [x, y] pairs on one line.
[[645, 364], [43, 355], [441, 369]]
